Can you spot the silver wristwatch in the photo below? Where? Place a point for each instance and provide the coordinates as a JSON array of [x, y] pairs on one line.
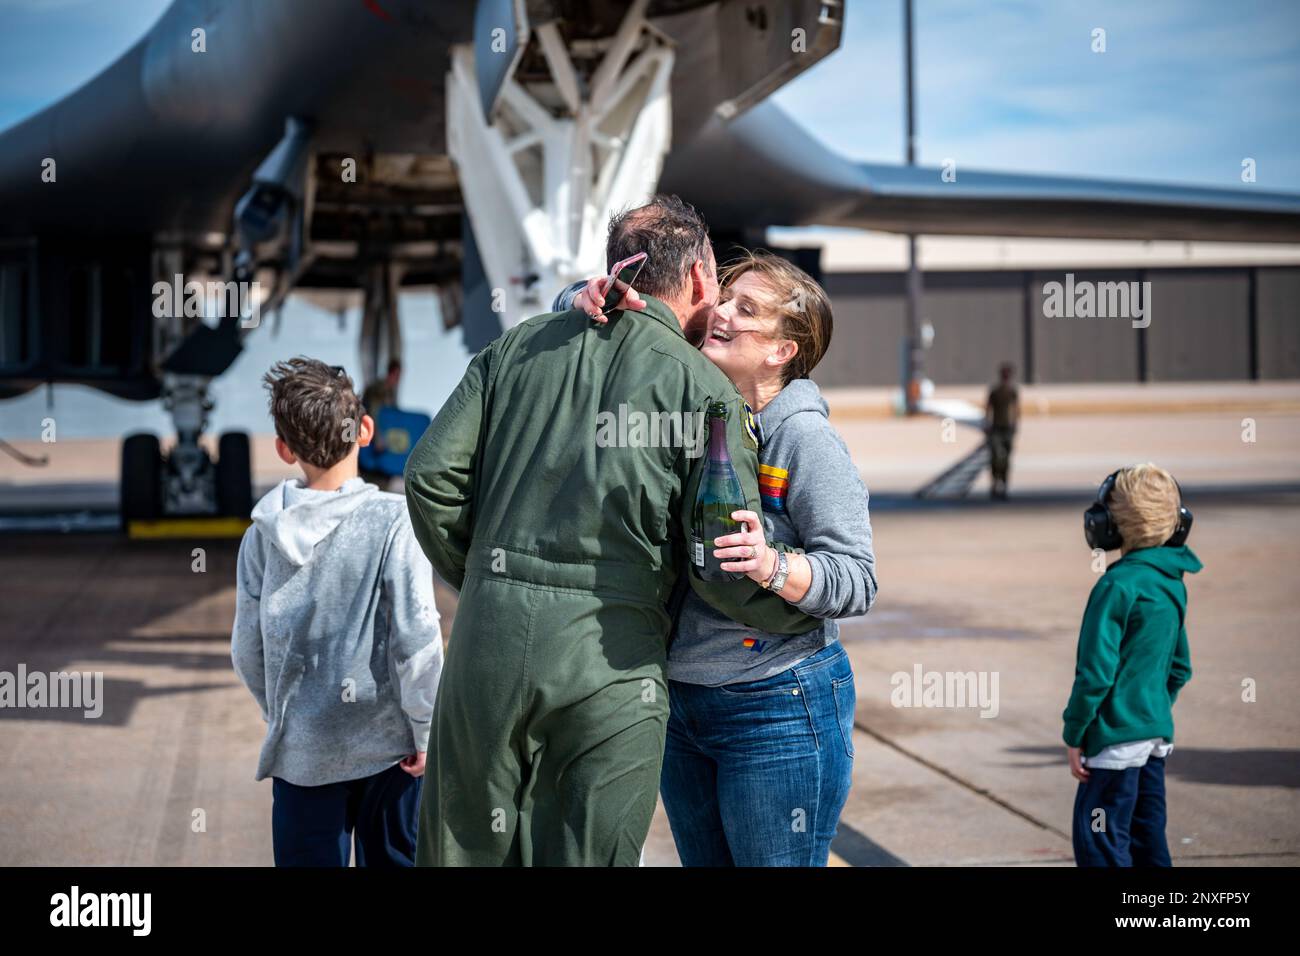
[[777, 581]]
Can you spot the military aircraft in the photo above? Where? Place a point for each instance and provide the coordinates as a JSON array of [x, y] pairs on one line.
[[243, 149]]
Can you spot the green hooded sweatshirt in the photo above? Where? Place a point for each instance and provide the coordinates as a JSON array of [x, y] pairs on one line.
[[1133, 655]]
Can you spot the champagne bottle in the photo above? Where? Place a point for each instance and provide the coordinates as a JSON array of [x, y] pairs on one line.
[[718, 497]]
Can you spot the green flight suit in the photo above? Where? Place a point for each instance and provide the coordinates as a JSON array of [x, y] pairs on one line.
[[548, 731]]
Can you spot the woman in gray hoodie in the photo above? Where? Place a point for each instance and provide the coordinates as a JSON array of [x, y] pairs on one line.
[[759, 754]]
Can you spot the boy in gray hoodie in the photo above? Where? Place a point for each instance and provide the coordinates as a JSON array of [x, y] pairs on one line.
[[336, 635]]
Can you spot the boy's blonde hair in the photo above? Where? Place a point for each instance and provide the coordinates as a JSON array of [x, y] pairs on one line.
[[1144, 505]]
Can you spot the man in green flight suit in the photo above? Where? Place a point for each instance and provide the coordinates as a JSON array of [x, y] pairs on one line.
[[549, 726]]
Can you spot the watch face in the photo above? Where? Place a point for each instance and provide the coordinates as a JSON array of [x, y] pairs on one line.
[[782, 570]]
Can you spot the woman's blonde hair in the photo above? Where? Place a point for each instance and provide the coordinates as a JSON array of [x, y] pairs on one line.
[[801, 305], [1144, 505]]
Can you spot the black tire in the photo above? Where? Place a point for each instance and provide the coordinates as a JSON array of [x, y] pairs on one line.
[[141, 481], [234, 475]]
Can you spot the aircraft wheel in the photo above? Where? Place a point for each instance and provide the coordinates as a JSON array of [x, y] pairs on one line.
[[234, 475], [141, 487]]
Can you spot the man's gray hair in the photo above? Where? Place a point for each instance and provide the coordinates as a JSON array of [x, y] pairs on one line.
[[670, 232]]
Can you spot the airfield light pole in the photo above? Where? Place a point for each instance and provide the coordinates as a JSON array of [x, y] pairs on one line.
[[913, 370]]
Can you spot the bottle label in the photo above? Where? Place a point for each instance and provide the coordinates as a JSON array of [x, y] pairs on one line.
[[697, 551]]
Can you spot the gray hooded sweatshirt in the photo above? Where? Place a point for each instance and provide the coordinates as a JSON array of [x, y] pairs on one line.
[[813, 500], [336, 632]]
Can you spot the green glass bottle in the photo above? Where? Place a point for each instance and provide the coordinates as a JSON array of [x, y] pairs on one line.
[[718, 497]]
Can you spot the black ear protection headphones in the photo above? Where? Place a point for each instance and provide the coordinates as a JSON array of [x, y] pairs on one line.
[[1100, 528]]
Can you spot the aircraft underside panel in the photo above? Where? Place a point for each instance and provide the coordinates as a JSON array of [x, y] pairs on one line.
[[341, 141], [77, 313]]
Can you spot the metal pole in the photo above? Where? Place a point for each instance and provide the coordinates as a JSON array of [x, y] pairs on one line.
[[908, 80], [915, 365]]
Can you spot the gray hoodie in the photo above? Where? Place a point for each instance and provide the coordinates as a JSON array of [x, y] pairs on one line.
[[336, 632], [814, 500]]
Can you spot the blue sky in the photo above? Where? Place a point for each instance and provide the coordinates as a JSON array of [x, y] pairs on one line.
[[50, 47], [1184, 91]]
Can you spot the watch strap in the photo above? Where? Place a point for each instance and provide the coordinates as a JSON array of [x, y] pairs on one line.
[[782, 572]]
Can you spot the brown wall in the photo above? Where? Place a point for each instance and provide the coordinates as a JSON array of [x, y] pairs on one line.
[[869, 324], [1073, 349], [1278, 310], [1200, 328]]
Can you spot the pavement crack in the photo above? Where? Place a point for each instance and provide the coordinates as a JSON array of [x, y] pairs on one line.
[[961, 781]]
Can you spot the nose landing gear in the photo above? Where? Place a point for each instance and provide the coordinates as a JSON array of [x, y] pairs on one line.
[[186, 490]]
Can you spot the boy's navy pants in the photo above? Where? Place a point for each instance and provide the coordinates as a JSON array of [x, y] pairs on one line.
[[314, 826], [1131, 829]]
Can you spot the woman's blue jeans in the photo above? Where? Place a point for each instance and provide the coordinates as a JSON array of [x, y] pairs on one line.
[[756, 774]]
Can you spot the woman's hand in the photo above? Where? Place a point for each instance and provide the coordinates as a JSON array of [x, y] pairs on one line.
[[749, 549], [589, 299]]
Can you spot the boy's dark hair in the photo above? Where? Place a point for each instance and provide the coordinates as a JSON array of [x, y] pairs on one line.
[[670, 232], [315, 409]]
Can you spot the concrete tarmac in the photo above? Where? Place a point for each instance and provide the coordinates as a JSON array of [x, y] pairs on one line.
[[1000, 590], [164, 775]]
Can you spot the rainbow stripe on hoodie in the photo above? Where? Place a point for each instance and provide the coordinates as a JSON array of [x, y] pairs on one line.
[[772, 485]]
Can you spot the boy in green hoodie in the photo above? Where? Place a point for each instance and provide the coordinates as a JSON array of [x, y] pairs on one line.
[[1132, 661]]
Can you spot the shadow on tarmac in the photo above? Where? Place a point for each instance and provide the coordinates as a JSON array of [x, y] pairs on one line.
[[1259, 767]]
